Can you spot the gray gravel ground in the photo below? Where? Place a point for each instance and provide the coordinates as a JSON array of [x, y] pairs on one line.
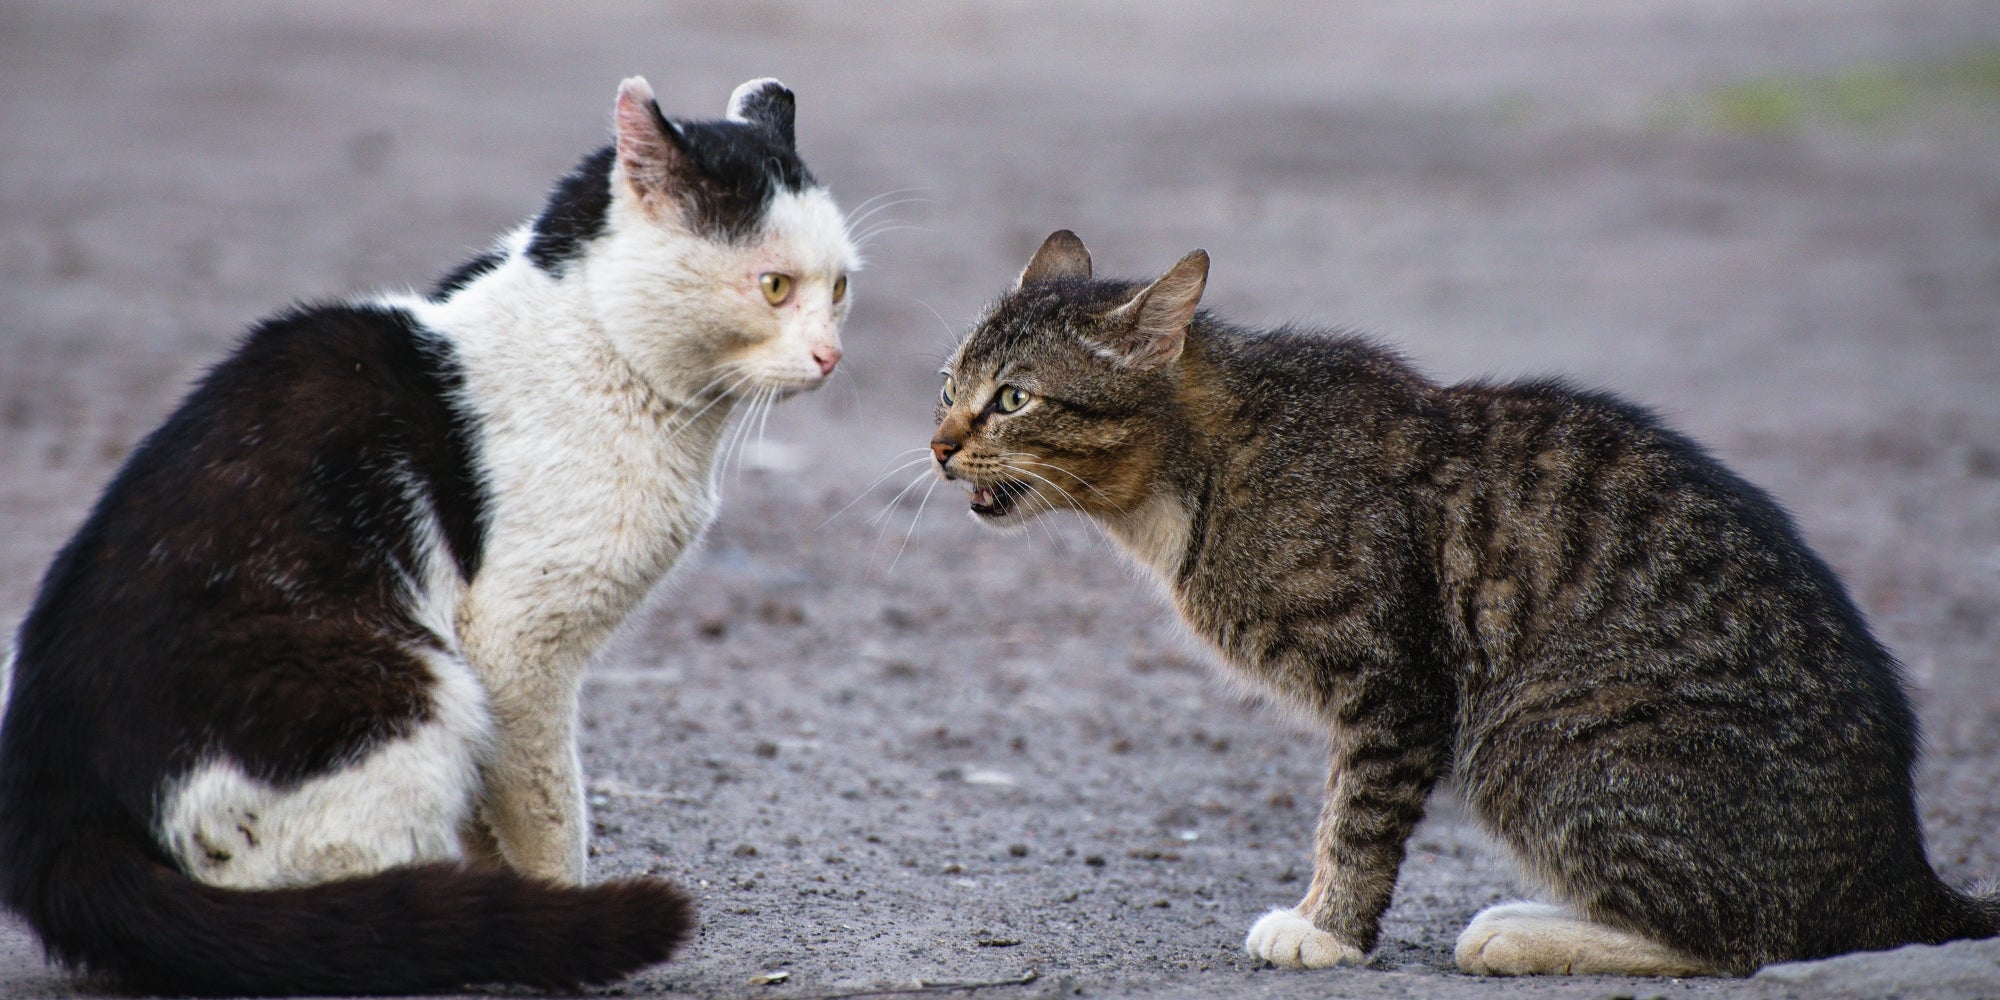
[[884, 746]]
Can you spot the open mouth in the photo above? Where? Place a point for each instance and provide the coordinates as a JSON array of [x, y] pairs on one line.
[[996, 500]]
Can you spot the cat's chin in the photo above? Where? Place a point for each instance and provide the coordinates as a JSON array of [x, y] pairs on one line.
[[1012, 523], [776, 390]]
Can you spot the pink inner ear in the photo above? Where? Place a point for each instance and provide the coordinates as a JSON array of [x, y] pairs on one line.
[[644, 149], [635, 112]]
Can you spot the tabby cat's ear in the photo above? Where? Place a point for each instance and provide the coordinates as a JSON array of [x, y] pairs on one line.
[[1151, 328], [1062, 257], [651, 149], [765, 102]]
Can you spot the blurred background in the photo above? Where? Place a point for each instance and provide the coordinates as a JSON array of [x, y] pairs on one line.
[[1777, 223]]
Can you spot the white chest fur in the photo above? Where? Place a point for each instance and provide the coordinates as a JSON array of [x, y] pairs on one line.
[[596, 484]]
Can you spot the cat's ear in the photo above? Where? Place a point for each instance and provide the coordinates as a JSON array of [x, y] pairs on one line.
[[1150, 329], [1063, 257], [765, 102], [651, 149]]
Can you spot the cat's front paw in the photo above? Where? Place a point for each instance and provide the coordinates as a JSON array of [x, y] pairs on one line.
[[1284, 938]]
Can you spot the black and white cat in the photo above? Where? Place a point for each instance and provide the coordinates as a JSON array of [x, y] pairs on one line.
[[295, 709]]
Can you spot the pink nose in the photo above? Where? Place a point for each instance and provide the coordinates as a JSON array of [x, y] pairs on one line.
[[826, 356]]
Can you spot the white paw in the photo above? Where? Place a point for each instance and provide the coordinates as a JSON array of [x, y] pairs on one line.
[[1529, 939], [1282, 937], [1508, 939]]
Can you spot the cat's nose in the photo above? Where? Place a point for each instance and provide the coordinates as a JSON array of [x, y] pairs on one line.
[[944, 448], [826, 356]]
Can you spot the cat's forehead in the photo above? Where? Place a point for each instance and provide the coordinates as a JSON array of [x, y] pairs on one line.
[[805, 229], [1049, 324]]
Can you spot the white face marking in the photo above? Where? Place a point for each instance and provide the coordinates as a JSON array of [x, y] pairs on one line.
[[691, 316], [804, 239]]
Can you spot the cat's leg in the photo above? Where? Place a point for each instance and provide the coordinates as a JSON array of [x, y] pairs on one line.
[[534, 782], [1525, 939], [1376, 788], [528, 642], [481, 847]]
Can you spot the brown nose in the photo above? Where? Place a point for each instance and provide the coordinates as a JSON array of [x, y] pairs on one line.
[[944, 448]]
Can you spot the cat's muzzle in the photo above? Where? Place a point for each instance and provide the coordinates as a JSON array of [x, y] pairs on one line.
[[996, 500]]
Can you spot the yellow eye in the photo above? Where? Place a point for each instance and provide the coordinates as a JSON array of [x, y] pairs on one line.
[[950, 392], [777, 287], [839, 288], [1011, 398]]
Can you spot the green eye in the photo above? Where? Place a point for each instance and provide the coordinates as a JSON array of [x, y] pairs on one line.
[[1011, 398], [950, 392]]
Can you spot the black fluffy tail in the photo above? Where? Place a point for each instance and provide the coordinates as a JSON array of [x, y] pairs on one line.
[[112, 910], [1988, 900]]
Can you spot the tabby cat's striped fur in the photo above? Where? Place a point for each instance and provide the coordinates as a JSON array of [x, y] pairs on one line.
[[1620, 653]]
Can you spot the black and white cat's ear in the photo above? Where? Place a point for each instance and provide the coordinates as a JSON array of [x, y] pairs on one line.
[[651, 149], [765, 102], [1063, 257], [1150, 329]]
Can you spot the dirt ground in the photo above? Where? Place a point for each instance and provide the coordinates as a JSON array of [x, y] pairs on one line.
[[884, 746]]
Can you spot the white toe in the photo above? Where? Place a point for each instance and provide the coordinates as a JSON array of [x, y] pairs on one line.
[[1283, 938]]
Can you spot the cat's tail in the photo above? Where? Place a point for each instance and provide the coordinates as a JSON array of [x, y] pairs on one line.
[[1987, 899], [111, 909]]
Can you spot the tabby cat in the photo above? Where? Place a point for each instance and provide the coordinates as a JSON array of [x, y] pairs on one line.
[[1623, 656], [295, 710]]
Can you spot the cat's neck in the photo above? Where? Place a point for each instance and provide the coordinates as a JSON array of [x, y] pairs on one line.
[[1193, 423], [1216, 434], [1154, 536]]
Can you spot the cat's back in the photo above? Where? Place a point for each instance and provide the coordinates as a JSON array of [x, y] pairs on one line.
[[1592, 504], [1306, 380], [1313, 416], [314, 435], [310, 478], [1575, 526], [1634, 615]]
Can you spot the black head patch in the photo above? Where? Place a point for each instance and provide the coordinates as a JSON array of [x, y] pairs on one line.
[[738, 167], [575, 213], [719, 174]]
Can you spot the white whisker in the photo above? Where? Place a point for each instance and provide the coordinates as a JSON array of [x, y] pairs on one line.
[[894, 500], [1085, 483], [753, 412], [951, 335], [923, 457], [1038, 490], [869, 207], [741, 406], [883, 514], [912, 530], [735, 377], [863, 240]]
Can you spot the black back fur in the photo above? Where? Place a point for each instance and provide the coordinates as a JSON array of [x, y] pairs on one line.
[[253, 554]]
